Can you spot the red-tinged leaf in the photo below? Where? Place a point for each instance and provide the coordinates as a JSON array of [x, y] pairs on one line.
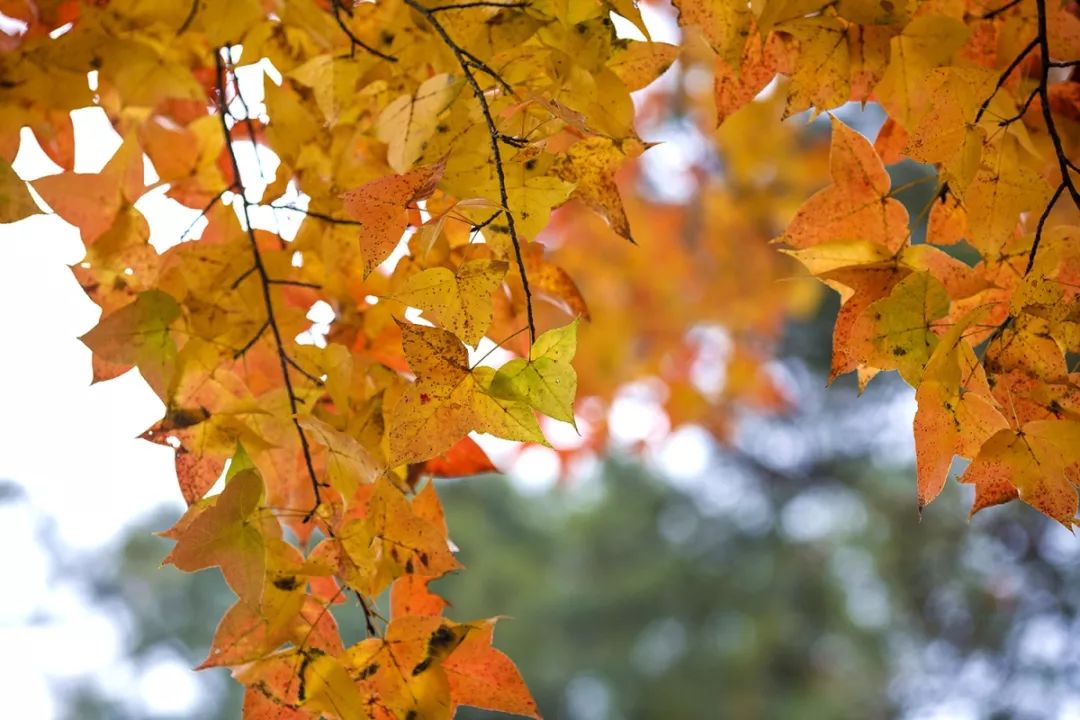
[[481, 676], [856, 206], [409, 595], [259, 706], [1039, 461], [463, 459], [381, 206]]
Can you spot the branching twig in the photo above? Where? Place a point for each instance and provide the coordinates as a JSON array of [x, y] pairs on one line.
[[468, 62], [264, 280], [368, 613], [255, 338], [190, 17], [481, 4], [1022, 111], [209, 206], [1065, 165], [317, 215], [1004, 8], [1039, 227], [297, 283], [1005, 76], [335, 6]]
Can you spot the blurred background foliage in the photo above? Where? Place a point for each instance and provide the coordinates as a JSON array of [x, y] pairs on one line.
[[790, 578]]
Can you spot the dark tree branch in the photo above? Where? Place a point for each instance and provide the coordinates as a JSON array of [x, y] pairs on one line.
[[190, 17], [255, 338], [1004, 8], [209, 206], [297, 283], [1005, 76], [317, 215], [1065, 165], [1039, 227], [468, 62], [302, 371], [248, 122], [264, 280], [243, 276], [481, 4], [336, 7], [1022, 111], [369, 625]]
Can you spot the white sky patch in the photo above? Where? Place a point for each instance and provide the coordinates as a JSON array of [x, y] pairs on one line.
[[168, 687], [536, 469], [685, 453], [636, 414]]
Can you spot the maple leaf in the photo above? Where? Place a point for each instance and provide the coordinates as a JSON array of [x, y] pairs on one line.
[[137, 334], [381, 206], [1039, 462], [856, 206], [228, 533], [449, 399], [402, 674], [481, 676], [546, 380], [956, 412], [492, 116], [463, 459], [460, 300]]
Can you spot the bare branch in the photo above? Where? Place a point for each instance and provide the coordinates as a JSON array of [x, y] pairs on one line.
[[481, 4], [1005, 76], [297, 283], [1064, 164], [209, 206], [1004, 8], [335, 6], [190, 17], [264, 279], [248, 345], [243, 276], [468, 62], [1039, 227], [317, 215], [296, 366]]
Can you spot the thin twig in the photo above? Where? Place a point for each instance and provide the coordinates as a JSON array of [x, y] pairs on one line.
[[335, 6], [1005, 76], [1022, 111], [209, 206], [248, 122], [190, 17], [247, 346], [1064, 164], [264, 279], [1004, 8], [317, 215], [467, 63], [481, 4], [297, 283], [368, 624], [1039, 227], [296, 366], [243, 276]]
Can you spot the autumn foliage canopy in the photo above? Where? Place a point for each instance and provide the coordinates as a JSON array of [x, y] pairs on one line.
[[464, 185]]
